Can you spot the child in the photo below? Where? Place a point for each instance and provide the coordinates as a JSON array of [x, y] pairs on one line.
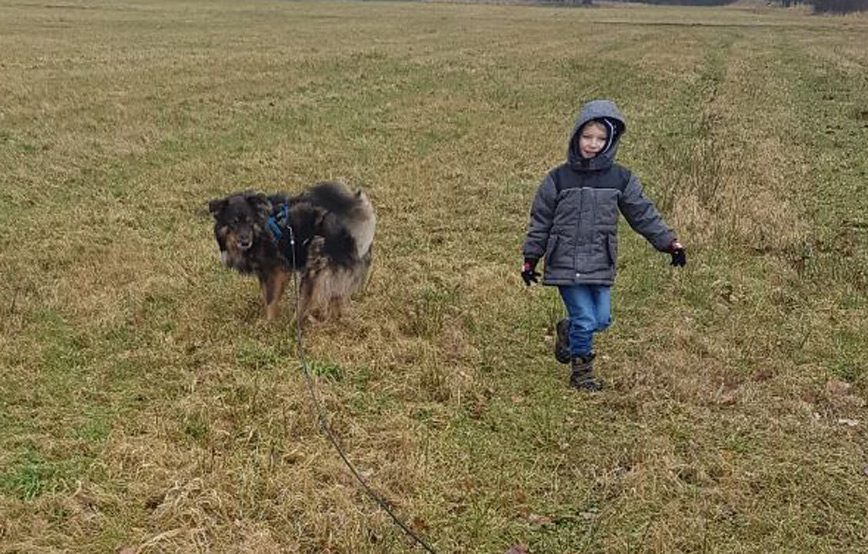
[[574, 222]]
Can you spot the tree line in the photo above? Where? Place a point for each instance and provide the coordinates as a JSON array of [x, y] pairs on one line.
[[834, 6], [818, 6]]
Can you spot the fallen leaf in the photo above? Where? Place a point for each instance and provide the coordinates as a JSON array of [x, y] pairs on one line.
[[762, 375], [857, 401], [728, 398], [536, 519], [836, 386], [478, 409], [420, 525]]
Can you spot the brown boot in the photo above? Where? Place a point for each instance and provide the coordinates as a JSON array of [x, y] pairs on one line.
[[562, 340], [582, 377]]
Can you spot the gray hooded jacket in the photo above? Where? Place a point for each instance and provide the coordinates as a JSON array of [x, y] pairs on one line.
[[574, 217]]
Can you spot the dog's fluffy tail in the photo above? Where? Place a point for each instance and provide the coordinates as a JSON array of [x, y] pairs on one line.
[[353, 210], [362, 226]]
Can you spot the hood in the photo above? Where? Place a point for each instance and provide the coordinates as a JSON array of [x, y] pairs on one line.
[[614, 121]]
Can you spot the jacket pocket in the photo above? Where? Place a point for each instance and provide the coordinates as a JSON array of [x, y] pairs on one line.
[[552, 252], [606, 209], [612, 249]]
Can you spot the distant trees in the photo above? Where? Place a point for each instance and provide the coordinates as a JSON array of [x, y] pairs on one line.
[[568, 2], [683, 2], [689, 2], [838, 6], [819, 6], [830, 6]]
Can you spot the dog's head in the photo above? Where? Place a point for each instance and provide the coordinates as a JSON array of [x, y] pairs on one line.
[[239, 219]]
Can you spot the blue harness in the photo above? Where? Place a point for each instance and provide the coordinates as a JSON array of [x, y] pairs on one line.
[[278, 223]]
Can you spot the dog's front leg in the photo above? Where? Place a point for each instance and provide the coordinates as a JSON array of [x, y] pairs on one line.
[[273, 286]]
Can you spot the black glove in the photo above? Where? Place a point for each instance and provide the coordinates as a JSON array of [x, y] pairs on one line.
[[679, 256], [528, 271]]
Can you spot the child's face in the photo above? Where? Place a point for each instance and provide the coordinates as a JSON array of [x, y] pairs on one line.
[[592, 139]]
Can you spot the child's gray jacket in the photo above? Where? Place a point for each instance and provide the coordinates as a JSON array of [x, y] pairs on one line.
[[574, 217]]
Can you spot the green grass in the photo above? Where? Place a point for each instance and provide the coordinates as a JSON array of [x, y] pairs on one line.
[[145, 406]]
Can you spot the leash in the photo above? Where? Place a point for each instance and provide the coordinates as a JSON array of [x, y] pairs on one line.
[[321, 414]]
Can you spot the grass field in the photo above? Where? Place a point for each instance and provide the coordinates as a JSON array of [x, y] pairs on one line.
[[146, 407]]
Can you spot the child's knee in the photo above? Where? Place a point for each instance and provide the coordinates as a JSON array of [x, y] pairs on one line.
[[583, 325]]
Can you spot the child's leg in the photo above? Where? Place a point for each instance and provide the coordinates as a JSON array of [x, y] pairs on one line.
[[603, 306], [581, 306]]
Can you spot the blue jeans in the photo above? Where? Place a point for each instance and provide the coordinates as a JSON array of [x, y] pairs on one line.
[[590, 309]]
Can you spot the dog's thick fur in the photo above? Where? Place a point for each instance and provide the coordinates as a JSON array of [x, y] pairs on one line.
[[333, 229]]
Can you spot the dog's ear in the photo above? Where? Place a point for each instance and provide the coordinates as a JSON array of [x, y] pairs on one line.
[[216, 206], [260, 203]]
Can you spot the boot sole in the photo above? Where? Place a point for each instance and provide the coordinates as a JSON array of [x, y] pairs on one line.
[[587, 386]]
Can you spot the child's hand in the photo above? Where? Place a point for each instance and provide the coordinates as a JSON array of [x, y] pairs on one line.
[[529, 273], [679, 256]]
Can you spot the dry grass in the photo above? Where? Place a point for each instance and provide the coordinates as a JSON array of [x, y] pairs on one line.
[[146, 407]]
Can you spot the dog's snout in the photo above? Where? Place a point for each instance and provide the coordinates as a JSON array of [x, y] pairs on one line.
[[244, 240]]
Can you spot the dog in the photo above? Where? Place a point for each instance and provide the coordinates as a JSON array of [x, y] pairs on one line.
[[326, 234]]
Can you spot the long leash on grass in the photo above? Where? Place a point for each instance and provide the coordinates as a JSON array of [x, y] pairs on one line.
[[321, 414]]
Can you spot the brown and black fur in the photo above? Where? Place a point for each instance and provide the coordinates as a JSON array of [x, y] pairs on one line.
[[333, 229]]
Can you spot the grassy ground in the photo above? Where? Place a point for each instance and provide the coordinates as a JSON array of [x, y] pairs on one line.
[[146, 407]]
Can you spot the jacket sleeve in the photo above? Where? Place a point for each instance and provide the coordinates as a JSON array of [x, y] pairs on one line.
[[643, 216], [541, 215]]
